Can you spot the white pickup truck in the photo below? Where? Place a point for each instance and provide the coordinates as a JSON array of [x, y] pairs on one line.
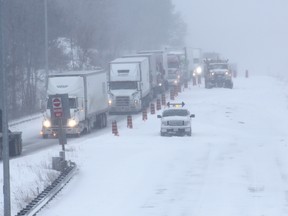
[[176, 120]]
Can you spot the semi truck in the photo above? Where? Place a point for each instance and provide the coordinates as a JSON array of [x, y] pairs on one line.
[[88, 102], [14, 140], [217, 73], [129, 85], [175, 68], [156, 81], [197, 62], [162, 65]]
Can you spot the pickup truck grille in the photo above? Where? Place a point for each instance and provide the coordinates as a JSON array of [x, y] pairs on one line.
[[176, 123], [122, 101]]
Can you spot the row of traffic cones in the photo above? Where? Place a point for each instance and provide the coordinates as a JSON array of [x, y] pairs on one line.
[[159, 104]]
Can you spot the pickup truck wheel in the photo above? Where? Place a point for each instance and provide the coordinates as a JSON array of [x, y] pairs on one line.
[[162, 134]]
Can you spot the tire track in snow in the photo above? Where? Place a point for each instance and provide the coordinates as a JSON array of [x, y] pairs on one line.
[[180, 189]]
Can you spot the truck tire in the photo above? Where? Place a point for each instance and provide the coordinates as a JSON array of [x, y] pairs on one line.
[[101, 121], [45, 136], [104, 120]]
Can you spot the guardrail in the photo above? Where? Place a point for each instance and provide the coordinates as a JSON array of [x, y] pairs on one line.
[[23, 120], [49, 193]]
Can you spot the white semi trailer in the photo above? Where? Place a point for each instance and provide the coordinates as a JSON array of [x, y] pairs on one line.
[[156, 80], [129, 85], [88, 102]]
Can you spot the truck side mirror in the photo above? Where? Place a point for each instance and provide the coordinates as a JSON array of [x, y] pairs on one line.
[[159, 116], [192, 116]]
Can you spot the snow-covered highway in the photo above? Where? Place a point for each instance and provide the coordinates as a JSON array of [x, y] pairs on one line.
[[235, 163]]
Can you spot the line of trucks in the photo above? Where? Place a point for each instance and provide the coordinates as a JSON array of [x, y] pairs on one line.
[[130, 84]]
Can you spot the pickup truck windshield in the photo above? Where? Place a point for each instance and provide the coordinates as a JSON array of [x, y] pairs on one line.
[[175, 112], [123, 85]]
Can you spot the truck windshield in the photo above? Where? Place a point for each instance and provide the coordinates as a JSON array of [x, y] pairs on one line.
[[123, 85], [175, 112], [72, 103], [173, 64], [172, 76], [218, 66]]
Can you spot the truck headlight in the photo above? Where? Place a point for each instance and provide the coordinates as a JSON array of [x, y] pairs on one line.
[[199, 70], [136, 101], [47, 123], [72, 123], [110, 102], [175, 81], [135, 96]]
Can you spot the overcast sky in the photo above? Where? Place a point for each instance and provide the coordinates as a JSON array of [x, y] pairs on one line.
[[252, 33]]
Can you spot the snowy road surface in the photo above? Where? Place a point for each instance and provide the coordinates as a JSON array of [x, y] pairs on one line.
[[235, 163]]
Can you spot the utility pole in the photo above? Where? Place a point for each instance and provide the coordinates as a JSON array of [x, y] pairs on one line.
[[3, 97], [46, 44]]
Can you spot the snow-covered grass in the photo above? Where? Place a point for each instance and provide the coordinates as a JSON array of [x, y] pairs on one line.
[[235, 163]]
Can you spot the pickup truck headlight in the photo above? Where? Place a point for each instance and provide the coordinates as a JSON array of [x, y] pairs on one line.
[[47, 123], [72, 123], [186, 123], [164, 123]]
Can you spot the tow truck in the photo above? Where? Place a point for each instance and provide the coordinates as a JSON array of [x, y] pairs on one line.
[[176, 120]]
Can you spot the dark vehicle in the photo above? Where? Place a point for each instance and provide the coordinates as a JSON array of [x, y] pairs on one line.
[[15, 141]]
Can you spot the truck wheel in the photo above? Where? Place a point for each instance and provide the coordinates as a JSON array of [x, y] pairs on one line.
[[189, 134], [104, 120], [45, 136]]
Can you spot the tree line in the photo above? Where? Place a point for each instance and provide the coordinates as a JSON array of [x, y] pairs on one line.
[[81, 35]]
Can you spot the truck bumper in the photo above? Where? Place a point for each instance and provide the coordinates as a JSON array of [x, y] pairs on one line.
[[125, 109], [54, 131]]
